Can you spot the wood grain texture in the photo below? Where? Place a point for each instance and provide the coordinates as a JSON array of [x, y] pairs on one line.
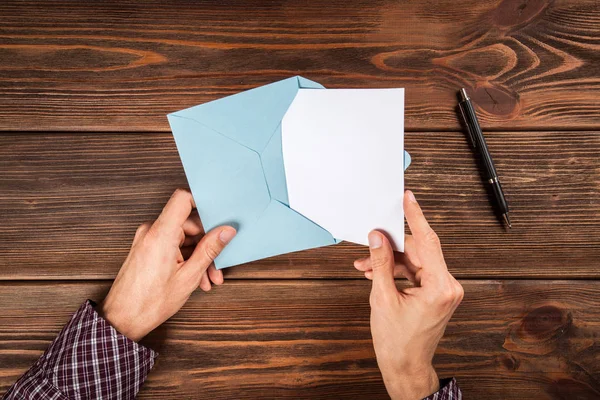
[[122, 65], [70, 204], [72, 195], [311, 339]]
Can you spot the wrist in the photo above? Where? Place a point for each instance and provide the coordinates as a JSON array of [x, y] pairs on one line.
[[412, 385], [113, 314]]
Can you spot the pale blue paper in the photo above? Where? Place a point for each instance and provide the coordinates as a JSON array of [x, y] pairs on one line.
[[231, 153]]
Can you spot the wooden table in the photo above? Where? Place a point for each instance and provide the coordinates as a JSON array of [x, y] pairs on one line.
[[86, 156]]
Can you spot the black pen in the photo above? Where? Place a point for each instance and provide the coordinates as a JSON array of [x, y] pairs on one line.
[[478, 142]]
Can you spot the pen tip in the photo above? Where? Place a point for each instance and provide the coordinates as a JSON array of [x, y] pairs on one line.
[[463, 95], [507, 220]]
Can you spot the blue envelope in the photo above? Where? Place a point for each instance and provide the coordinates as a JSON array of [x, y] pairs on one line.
[[231, 153]]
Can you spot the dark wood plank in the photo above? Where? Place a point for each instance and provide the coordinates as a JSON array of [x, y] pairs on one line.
[[70, 204], [121, 66], [311, 339]]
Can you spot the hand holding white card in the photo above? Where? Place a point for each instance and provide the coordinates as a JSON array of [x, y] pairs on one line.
[[359, 134]]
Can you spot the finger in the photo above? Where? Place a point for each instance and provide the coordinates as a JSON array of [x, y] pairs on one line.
[[204, 282], [400, 271], [141, 232], [410, 252], [215, 275], [414, 216], [209, 248], [192, 225], [176, 211], [363, 264], [382, 264], [405, 259], [427, 243], [406, 264], [181, 235]]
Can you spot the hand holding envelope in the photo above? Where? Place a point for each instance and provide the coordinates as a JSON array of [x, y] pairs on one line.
[[294, 166]]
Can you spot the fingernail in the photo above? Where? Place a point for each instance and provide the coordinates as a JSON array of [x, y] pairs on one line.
[[226, 235], [411, 196], [375, 240]]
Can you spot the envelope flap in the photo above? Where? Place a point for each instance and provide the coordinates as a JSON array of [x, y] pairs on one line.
[[272, 163], [249, 117], [279, 230], [308, 84]]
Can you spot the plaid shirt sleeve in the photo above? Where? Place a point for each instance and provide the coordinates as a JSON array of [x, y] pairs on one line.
[[88, 360], [449, 390]]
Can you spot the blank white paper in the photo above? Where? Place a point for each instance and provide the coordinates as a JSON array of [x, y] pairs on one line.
[[343, 157]]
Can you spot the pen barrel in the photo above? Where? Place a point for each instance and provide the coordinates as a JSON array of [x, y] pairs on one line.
[[477, 139], [499, 195]]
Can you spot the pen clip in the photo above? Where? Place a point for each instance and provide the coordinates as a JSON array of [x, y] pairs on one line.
[[471, 136]]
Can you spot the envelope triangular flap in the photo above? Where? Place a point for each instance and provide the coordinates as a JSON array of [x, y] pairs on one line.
[[308, 84], [258, 110], [272, 162], [279, 230]]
